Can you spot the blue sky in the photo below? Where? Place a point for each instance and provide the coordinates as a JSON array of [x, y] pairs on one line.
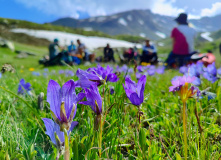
[[42, 11]]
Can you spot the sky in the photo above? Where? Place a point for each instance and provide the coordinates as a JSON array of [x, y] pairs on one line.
[[42, 11]]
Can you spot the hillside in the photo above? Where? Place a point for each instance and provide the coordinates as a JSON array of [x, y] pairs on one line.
[[7, 24]]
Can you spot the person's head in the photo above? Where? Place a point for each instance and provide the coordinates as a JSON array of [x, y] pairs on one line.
[[147, 42], [56, 41], [108, 46], [72, 42], [182, 19], [78, 41]]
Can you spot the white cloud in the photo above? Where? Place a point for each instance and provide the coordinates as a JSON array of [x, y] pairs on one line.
[[216, 9], [71, 8], [166, 8], [63, 8]]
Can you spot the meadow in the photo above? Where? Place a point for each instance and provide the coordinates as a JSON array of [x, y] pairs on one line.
[[158, 135]]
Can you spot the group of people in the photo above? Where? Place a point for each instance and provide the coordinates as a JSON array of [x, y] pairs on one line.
[[183, 48], [71, 54]]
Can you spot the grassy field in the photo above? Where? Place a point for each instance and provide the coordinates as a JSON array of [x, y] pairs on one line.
[[160, 135]]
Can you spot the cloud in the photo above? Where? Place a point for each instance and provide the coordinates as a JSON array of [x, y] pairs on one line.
[[166, 8], [75, 8], [216, 9], [71, 8]]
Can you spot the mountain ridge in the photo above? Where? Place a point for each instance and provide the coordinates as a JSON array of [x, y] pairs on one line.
[[142, 23]]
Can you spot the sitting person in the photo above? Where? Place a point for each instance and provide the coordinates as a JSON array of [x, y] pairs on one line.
[[84, 52], [149, 53], [183, 42], [71, 48], [75, 54], [108, 54], [129, 54], [53, 49]]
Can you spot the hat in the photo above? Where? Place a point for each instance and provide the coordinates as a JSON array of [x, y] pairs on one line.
[[182, 19], [55, 40]]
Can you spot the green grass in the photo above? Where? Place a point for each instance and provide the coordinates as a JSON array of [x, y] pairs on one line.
[[22, 134]]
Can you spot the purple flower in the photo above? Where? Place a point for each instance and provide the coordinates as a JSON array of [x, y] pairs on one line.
[[197, 81], [61, 71], [107, 74], [135, 92], [138, 75], [218, 71], [181, 86], [69, 73], [53, 128], [93, 99], [179, 82], [183, 69], [140, 68], [112, 90], [87, 79], [0, 75], [23, 87], [210, 72], [63, 102], [35, 73], [160, 70], [151, 72]]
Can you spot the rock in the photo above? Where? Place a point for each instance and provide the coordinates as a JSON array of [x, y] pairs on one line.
[[41, 101], [7, 44], [24, 52], [7, 68]]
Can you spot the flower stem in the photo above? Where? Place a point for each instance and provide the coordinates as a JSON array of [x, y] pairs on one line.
[[66, 143], [100, 135], [184, 129]]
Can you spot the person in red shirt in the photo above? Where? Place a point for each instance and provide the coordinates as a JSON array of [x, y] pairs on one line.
[[183, 41]]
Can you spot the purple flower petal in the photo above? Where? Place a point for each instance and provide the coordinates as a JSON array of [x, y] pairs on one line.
[[54, 97]]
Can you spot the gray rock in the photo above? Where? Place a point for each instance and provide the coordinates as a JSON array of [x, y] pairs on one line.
[[7, 44]]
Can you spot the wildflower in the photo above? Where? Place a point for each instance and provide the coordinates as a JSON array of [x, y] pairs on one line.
[[95, 102], [24, 87], [210, 72], [160, 70], [0, 75], [181, 86], [107, 74], [183, 69], [53, 129], [63, 102], [35, 73], [87, 79], [135, 92], [112, 90], [219, 71], [93, 99], [31, 69]]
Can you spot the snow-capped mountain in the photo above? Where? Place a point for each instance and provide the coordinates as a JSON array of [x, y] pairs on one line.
[[142, 23]]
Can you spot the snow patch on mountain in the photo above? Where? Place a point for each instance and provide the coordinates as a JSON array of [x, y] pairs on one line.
[[101, 19], [143, 35], [160, 34], [129, 17], [141, 22], [206, 35], [122, 21], [65, 38]]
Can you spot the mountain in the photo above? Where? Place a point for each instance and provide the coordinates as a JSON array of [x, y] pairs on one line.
[[142, 23]]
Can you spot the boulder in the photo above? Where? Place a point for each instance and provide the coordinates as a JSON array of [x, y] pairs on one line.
[[7, 44]]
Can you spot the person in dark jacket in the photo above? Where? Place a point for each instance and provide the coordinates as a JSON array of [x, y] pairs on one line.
[[108, 54], [149, 53], [53, 49]]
